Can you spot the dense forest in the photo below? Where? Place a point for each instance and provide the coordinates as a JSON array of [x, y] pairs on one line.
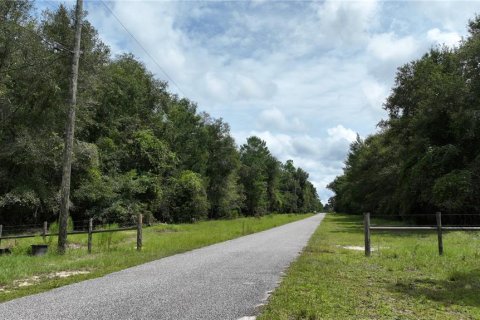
[[426, 155], [138, 148]]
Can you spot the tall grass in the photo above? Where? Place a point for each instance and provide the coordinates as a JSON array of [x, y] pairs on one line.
[[54, 228], [105, 239]]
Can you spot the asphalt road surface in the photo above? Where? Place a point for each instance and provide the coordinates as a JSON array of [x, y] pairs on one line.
[[228, 280]]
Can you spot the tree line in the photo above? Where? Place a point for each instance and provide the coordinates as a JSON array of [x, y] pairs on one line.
[[138, 147], [426, 155]]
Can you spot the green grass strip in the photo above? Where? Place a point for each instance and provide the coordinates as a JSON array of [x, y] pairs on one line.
[[404, 279]]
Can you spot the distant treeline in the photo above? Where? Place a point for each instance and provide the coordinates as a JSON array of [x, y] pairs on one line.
[[138, 148], [426, 156]]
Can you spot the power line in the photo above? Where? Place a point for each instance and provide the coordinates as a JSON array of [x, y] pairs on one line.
[[143, 48], [51, 43]]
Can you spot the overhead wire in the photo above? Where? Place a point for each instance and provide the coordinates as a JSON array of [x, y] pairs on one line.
[[143, 48], [56, 45], [52, 44]]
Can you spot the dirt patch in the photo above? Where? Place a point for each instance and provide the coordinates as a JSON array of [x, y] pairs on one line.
[[359, 248], [355, 248], [36, 279], [3, 290], [66, 274], [26, 282]]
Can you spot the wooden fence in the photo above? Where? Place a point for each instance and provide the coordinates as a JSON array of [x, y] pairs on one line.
[[89, 232], [438, 228]]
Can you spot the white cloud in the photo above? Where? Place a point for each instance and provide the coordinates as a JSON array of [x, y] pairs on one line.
[[346, 22], [340, 132], [448, 38], [448, 15], [216, 87], [250, 88], [274, 119], [375, 93], [387, 46]]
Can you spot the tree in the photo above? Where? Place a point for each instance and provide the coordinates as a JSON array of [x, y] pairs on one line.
[[221, 171], [425, 157], [34, 84], [255, 156]]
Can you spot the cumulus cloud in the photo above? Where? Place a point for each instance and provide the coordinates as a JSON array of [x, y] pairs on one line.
[[252, 88], [447, 15], [375, 93], [274, 119], [447, 38], [217, 87], [386, 46], [346, 22]]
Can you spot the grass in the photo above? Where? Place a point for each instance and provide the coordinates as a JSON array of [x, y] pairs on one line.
[[403, 279], [22, 274]]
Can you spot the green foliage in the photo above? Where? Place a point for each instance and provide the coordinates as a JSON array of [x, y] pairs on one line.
[[138, 148], [254, 156], [425, 157], [453, 190], [271, 186], [187, 198]]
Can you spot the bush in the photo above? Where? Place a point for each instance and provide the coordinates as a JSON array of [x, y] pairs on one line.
[[187, 200], [54, 228]]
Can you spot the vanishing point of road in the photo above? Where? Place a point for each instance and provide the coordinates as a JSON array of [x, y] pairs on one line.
[[224, 281]]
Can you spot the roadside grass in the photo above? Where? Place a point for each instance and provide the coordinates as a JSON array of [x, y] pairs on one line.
[[21, 274], [403, 279]]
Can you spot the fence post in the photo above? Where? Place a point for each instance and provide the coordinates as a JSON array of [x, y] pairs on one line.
[[139, 232], [45, 230], [366, 226], [439, 232], [90, 229], [1, 230]]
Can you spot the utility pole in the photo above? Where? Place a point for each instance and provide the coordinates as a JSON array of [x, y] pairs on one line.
[[69, 134]]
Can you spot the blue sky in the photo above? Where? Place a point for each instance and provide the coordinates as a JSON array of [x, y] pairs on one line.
[[305, 76]]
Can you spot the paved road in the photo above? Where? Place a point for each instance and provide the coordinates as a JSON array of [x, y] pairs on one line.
[[224, 281]]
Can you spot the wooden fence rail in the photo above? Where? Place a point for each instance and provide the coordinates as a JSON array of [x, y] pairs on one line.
[[439, 228], [90, 232]]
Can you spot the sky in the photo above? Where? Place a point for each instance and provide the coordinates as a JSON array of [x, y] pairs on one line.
[[305, 76]]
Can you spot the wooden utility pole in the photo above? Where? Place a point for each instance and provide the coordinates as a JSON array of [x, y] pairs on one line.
[[69, 134]]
